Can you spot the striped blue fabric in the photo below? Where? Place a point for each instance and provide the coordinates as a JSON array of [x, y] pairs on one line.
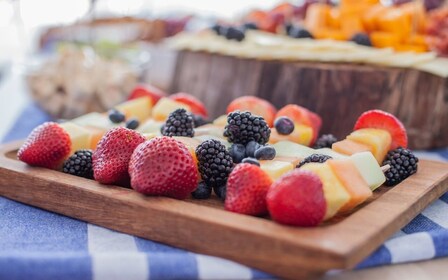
[[35, 244]]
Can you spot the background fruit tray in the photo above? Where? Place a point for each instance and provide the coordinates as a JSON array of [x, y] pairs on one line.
[[289, 252]]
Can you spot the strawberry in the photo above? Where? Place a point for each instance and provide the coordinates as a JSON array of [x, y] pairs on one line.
[[147, 90], [256, 106], [111, 158], [163, 166], [247, 187], [383, 120], [48, 145], [297, 198], [196, 106]]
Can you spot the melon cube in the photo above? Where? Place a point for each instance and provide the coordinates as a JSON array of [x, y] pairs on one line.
[[79, 136], [95, 120], [293, 160], [378, 140], [150, 126], [291, 149], [275, 169], [139, 108], [209, 129], [349, 147], [353, 182], [369, 168], [165, 106], [335, 193]]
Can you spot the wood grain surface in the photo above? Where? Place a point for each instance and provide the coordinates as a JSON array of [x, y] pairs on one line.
[[339, 93], [257, 242]]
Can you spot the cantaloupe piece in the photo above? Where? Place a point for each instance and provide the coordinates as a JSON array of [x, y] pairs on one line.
[[335, 193], [316, 16], [275, 169], [139, 108], [416, 15], [350, 25], [329, 33], [95, 136], [381, 39], [352, 180], [411, 48], [379, 140], [334, 18], [302, 135], [370, 17], [349, 147], [395, 21]]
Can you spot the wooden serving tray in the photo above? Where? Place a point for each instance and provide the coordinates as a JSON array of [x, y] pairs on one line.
[[204, 227]]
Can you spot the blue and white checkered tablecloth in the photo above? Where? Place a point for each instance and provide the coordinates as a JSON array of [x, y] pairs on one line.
[[35, 244]]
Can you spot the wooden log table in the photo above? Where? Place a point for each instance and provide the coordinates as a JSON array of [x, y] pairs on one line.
[[338, 92]]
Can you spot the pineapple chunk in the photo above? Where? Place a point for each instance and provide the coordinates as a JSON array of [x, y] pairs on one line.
[[335, 193], [80, 137], [165, 106], [378, 139], [302, 135], [139, 108], [275, 169]]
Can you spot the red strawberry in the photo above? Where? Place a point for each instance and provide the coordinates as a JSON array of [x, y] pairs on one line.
[[163, 166], [196, 106], [110, 160], [48, 145], [256, 106], [297, 198], [247, 187], [383, 120], [147, 90]]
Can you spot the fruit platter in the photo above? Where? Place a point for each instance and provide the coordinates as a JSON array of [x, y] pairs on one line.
[[259, 185], [336, 60]]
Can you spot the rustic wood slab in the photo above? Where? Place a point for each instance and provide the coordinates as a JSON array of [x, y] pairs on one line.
[[257, 242], [336, 91]]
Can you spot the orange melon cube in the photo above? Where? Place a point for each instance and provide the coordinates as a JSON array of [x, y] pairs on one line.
[[328, 33], [351, 25], [370, 17], [396, 22], [95, 136], [382, 39], [347, 173], [316, 16], [334, 18], [349, 147], [378, 140], [416, 15], [411, 48]]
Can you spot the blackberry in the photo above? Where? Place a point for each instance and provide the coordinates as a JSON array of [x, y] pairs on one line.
[[325, 141], [243, 127], [362, 39], [214, 162], [179, 123], [199, 121], [403, 163], [319, 158], [79, 164], [202, 191]]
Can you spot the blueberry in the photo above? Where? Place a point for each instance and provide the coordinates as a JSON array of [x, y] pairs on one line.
[[300, 33], [220, 192], [250, 26], [265, 153], [251, 147], [233, 33], [362, 39], [251, 160], [132, 123], [202, 191], [116, 116], [237, 152], [284, 125]]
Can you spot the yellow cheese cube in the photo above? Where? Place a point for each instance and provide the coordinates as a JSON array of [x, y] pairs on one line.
[[275, 169], [378, 140], [335, 193]]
